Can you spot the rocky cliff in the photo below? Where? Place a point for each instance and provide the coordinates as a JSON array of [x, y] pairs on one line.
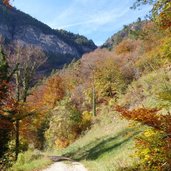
[[60, 46]]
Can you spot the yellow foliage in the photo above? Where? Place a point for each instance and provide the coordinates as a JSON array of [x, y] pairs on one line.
[[86, 120], [149, 133], [62, 143], [112, 102], [86, 116]]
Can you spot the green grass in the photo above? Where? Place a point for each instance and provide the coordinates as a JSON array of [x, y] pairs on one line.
[[145, 92], [31, 161], [109, 144]]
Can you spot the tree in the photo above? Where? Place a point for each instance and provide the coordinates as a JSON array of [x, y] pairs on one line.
[[53, 91], [126, 46], [4, 124], [8, 107], [66, 124], [109, 81], [43, 99], [153, 146], [93, 90], [28, 59], [161, 11]]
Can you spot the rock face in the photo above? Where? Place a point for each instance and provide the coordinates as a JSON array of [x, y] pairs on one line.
[[48, 42], [60, 46]]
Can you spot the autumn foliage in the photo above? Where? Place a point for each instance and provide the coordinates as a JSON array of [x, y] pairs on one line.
[[126, 46], [148, 117], [47, 95], [7, 3], [54, 112], [154, 145]]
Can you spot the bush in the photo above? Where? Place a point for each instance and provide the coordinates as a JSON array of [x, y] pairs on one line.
[[66, 124], [126, 46], [154, 151], [154, 145], [149, 91], [30, 160]]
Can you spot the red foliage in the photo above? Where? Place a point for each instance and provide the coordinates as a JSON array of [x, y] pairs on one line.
[[149, 117], [5, 124]]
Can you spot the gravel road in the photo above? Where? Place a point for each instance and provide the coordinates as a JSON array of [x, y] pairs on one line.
[[61, 166]]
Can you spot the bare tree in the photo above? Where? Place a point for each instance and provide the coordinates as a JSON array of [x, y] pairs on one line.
[[28, 59]]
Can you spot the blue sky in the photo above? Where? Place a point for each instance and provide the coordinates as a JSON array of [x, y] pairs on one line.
[[95, 19]]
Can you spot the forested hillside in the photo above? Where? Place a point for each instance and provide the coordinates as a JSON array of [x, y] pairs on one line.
[[110, 110], [60, 47]]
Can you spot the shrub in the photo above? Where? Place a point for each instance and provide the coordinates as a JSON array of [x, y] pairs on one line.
[[154, 145], [153, 149], [126, 46], [66, 124], [30, 160]]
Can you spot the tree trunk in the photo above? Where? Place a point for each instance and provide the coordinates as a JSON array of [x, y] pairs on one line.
[[17, 122], [17, 125], [94, 96]]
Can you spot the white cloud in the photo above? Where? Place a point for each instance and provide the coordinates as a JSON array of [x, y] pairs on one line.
[[96, 19], [89, 17]]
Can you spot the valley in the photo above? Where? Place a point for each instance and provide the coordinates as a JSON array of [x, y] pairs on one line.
[[105, 108]]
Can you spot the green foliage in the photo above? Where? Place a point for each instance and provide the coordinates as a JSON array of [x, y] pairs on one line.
[[129, 31], [148, 91], [152, 151], [155, 59], [109, 81], [3, 66], [150, 62], [66, 124], [108, 145], [160, 13], [30, 160], [5, 125], [166, 48]]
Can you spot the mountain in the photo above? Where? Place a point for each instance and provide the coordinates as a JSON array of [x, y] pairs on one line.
[[128, 31], [60, 46]]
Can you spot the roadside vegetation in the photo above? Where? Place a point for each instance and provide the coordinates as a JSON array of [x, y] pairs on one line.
[[109, 110]]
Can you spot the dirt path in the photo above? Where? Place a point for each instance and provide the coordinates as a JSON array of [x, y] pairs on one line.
[[61, 166]]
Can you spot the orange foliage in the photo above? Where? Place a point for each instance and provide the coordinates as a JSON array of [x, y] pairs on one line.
[[7, 3], [8, 105], [43, 99], [165, 19], [48, 94], [126, 46], [149, 117], [53, 91], [162, 144]]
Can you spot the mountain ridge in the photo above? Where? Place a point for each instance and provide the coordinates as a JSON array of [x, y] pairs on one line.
[[60, 46]]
